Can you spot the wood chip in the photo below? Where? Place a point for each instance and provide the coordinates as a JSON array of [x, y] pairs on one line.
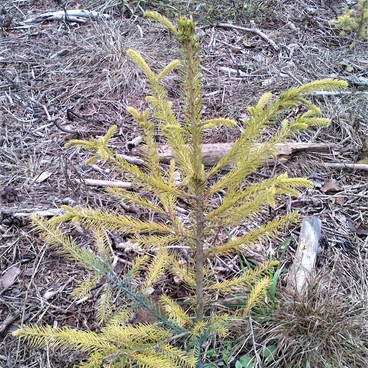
[[9, 277]]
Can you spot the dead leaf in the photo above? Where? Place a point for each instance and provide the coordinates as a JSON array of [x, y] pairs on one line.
[[363, 161], [8, 321], [8, 279], [340, 200], [50, 294], [118, 265], [178, 280], [142, 315], [128, 246], [42, 177], [360, 230], [364, 158], [248, 44], [28, 272], [268, 82], [330, 185]]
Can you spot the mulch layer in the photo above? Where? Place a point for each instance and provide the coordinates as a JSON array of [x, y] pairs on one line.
[[61, 80]]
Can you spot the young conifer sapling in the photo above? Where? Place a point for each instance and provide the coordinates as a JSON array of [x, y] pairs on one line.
[[171, 244]]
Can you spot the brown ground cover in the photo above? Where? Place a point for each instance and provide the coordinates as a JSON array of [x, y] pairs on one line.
[[60, 80]]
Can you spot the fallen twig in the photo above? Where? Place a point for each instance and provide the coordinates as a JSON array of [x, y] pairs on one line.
[[26, 213], [65, 129], [233, 71], [363, 167], [252, 30], [214, 151], [338, 93], [75, 15], [132, 159], [356, 81], [8, 320], [40, 213], [106, 183]]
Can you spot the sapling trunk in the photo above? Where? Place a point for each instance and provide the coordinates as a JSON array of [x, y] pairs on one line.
[[191, 89], [362, 21], [199, 255], [199, 264]]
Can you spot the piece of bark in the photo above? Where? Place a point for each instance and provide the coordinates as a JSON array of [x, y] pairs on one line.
[[214, 151], [8, 278], [8, 320], [303, 268]]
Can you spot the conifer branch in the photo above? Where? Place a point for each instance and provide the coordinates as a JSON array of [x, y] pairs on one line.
[[138, 264], [267, 111], [155, 242], [170, 127], [66, 337], [121, 286], [140, 178], [267, 230], [122, 317], [156, 269], [281, 183], [162, 20], [104, 305], [255, 294], [183, 272], [135, 199], [214, 123], [94, 219], [199, 256], [84, 289], [57, 239], [175, 312], [248, 277]]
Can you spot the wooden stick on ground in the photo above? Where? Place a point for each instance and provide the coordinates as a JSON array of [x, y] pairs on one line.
[[72, 15], [8, 321], [252, 30], [341, 165], [214, 151], [51, 212], [302, 270], [107, 183]]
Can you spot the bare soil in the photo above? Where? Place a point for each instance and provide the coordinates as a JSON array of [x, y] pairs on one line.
[[61, 80]]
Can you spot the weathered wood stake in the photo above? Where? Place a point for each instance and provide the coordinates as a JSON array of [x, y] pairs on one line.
[[303, 269]]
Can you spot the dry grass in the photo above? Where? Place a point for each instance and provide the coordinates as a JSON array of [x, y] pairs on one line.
[[327, 326], [79, 75]]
